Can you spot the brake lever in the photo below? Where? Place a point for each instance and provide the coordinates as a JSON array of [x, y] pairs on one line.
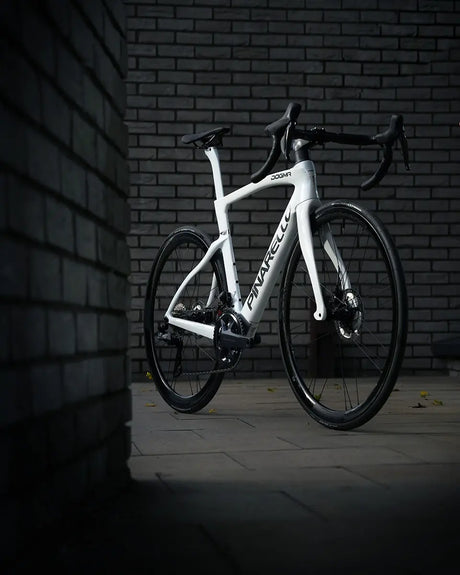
[[286, 141], [404, 148]]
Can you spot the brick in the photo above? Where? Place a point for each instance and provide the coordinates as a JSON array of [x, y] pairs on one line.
[[25, 211], [74, 283], [28, 333], [96, 196], [15, 401], [123, 258], [17, 73], [5, 337], [42, 160], [46, 386], [69, 74], [83, 139], [60, 14], [97, 289], [112, 332], [115, 371], [45, 279], [36, 32], [94, 100], [118, 292], [59, 224], [106, 159], [61, 332], [75, 382], [97, 380], [55, 112], [85, 237], [73, 181], [106, 247], [14, 271], [88, 425], [12, 138]]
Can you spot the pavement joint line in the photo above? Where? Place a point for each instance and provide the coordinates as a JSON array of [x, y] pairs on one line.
[[165, 484], [304, 505], [364, 476]]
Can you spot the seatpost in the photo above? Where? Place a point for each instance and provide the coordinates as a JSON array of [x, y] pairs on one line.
[[213, 156]]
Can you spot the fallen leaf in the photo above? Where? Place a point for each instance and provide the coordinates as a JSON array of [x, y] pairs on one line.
[[150, 405], [271, 389], [437, 402], [149, 375], [424, 394], [212, 410]]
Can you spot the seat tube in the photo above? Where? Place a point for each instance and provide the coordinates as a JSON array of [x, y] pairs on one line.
[[213, 156], [221, 210]]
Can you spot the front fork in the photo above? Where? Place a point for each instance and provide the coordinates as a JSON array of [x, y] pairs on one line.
[[303, 212]]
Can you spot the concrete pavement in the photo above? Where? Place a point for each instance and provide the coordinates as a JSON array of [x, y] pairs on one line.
[[253, 485]]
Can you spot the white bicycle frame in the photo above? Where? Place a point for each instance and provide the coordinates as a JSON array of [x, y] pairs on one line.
[[294, 222]]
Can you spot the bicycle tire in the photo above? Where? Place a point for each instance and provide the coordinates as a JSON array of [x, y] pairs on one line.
[[181, 362], [365, 332]]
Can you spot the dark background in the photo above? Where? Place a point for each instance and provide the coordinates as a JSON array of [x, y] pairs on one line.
[[351, 64]]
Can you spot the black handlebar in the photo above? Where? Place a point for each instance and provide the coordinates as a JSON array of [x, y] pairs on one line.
[[283, 131]]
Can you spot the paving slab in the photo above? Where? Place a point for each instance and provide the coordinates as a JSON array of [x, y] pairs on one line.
[[280, 494], [253, 485]]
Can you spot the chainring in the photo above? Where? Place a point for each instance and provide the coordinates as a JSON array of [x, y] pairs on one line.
[[228, 357]]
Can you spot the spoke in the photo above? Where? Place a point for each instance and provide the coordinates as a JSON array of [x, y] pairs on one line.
[[345, 386], [380, 344], [363, 348]]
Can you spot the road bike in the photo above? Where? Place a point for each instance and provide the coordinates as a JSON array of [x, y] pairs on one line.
[[342, 292]]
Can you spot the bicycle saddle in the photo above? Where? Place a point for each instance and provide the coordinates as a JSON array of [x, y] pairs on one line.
[[206, 139]]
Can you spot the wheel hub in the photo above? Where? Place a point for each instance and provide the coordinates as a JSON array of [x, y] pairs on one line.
[[348, 315]]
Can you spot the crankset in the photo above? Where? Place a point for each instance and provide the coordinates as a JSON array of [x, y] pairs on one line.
[[229, 340]]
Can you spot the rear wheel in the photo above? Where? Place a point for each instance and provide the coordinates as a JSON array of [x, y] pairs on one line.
[[343, 369], [182, 362]]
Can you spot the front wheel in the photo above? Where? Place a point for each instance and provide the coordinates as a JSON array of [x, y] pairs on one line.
[[343, 369]]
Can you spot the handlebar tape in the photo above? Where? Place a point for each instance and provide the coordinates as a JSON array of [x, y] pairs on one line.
[[271, 161], [387, 139], [380, 173]]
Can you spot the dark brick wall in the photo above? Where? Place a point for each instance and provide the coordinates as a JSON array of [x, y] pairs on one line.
[[351, 64], [64, 260]]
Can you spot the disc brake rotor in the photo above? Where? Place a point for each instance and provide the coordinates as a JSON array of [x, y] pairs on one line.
[[349, 315]]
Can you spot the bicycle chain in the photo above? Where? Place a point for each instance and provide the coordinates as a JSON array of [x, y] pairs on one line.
[[212, 371]]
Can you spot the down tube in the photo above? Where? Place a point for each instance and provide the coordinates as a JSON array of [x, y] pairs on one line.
[[270, 268]]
